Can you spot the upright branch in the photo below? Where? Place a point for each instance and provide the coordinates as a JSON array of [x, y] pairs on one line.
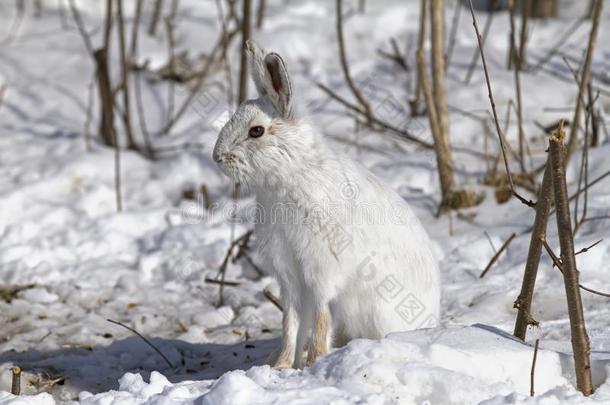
[[586, 76], [154, 19], [475, 54], [245, 36], [344, 65], [437, 31], [421, 40], [517, 66], [441, 142], [495, 113], [580, 339], [260, 13], [125, 69], [523, 303], [134, 30], [526, 6]]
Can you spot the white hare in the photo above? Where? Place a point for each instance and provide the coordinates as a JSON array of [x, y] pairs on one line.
[[351, 258]]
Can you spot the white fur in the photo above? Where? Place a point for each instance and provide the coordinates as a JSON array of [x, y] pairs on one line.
[[384, 279]]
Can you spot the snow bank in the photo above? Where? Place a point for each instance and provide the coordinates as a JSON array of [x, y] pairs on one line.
[[457, 365]]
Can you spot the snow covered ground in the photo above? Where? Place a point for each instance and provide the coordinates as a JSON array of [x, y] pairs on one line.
[[69, 261]]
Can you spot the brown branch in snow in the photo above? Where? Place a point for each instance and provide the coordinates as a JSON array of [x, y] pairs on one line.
[[242, 241], [518, 66], [442, 147], [246, 24], [154, 20], [134, 31], [580, 339], [529, 203], [557, 263], [455, 22], [475, 54], [260, 13], [16, 381], [223, 282], [421, 40], [384, 125], [561, 41], [523, 302], [171, 54], [125, 69], [148, 342], [585, 77], [273, 299], [533, 370], [81, 27], [497, 255], [525, 16], [344, 65]]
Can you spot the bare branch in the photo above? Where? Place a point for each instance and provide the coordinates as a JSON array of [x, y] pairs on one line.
[[497, 255], [529, 203], [148, 342]]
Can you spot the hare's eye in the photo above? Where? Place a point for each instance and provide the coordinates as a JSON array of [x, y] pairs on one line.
[[256, 132]]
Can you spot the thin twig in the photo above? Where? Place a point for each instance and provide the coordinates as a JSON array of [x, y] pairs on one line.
[[586, 249], [223, 282], [402, 133], [561, 41], [533, 370], [529, 203], [246, 28], [169, 28], [344, 65], [81, 27], [225, 262], [517, 68], [148, 342], [476, 52], [273, 299], [125, 69], [455, 22], [586, 76], [557, 263], [497, 255]]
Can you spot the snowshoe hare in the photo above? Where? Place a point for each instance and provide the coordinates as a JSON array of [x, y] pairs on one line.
[[351, 258]]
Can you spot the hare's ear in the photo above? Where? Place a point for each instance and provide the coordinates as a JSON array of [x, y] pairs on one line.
[[280, 91], [256, 59]]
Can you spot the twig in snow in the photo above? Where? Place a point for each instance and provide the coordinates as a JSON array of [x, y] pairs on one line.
[[16, 381], [344, 65], [557, 263], [585, 77], [81, 27], [533, 371], [482, 41], [497, 255], [222, 270], [274, 300], [384, 125], [148, 342], [561, 41], [529, 203], [455, 22], [223, 282], [523, 302]]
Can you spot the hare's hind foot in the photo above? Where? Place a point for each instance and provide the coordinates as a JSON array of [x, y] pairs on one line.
[[280, 359], [320, 341]]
